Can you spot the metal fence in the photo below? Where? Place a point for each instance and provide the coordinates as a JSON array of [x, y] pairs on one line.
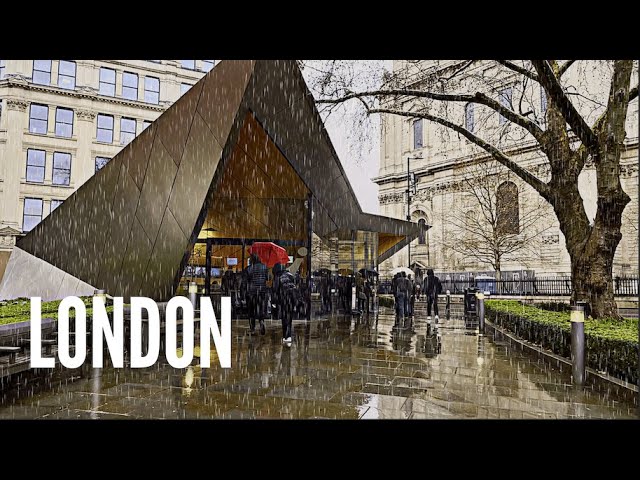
[[541, 286]]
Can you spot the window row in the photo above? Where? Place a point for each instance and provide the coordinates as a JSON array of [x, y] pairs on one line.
[[39, 120], [66, 73], [107, 86], [128, 126], [36, 162], [32, 212], [39, 123]]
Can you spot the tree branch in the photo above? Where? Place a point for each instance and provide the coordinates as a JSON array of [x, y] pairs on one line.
[[479, 98], [519, 69], [541, 187], [554, 90], [564, 67]]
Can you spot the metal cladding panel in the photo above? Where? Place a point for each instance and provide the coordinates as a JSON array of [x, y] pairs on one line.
[[162, 269], [156, 189], [201, 157], [222, 93], [153, 196], [123, 209], [174, 124], [135, 156], [62, 237], [135, 262]]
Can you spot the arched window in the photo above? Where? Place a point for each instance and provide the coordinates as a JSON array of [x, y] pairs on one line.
[[422, 223], [507, 209]]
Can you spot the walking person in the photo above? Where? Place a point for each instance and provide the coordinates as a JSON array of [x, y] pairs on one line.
[[432, 288], [284, 286], [402, 292], [257, 292]]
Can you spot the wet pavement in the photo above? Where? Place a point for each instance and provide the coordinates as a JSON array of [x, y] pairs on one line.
[[337, 367]]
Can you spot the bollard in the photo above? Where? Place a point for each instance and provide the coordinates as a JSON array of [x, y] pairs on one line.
[[447, 309], [480, 310], [577, 343], [193, 294]]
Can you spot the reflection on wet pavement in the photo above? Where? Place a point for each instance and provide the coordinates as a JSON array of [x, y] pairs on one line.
[[338, 367]]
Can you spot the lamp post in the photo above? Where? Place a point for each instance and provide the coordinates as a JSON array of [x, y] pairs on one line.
[[417, 157]]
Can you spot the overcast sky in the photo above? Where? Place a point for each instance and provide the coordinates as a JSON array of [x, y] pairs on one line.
[[361, 162]]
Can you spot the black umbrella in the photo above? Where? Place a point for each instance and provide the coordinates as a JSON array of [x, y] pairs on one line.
[[368, 271], [322, 271]]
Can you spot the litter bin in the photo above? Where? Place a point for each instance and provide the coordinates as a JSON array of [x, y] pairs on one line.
[[470, 302], [486, 284]]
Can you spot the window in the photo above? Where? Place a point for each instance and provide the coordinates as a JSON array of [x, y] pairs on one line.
[[36, 160], [469, 120], [61, 168], [55, 204], [190, 64], [543, 102], [64, 122], [38, 118], [151, 90], [127, 130], [507, 209], [184, 87], [422, 224], [3, 67], [42, 72], [101, 162], [145, 124], [32, 213], [417, 134], [107, 82], [130, 86], [67, 75], [105, 128], [207, 65], [505, 100]]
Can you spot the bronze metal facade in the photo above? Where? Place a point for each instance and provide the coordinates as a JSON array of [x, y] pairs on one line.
[[130, 228]]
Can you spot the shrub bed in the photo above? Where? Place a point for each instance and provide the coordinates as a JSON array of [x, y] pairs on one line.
[[611, 345], [19, 310]]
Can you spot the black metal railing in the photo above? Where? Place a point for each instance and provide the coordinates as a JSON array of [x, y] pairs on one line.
[[538, 286]]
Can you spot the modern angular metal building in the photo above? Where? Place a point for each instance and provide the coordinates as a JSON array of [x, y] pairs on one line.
[[243, 156]]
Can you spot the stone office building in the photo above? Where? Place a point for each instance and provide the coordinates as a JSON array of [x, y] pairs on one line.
[[446, 160], [62, 120]]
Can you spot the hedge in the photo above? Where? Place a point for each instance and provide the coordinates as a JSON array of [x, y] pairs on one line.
[[19, 310], [611, 345]]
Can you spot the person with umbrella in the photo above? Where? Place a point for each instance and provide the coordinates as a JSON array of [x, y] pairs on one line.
[[257, 293]]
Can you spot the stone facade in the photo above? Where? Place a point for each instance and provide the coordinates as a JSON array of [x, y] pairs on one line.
[[446, 157], [49, 86]]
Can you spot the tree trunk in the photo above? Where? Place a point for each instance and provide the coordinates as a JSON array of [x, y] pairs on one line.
[[592, 281]]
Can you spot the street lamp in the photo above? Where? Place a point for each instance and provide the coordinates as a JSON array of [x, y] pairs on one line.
[[417, 157]]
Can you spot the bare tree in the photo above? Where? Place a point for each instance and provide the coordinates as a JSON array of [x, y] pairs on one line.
[[492, 222], [575, 128]]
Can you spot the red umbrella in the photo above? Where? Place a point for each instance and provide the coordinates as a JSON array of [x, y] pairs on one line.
[[269, 253]]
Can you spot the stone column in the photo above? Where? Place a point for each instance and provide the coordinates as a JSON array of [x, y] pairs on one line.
[[86, 125], [17, 123]]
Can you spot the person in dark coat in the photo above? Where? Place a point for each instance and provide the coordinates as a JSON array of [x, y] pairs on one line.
[[432, 288], [257, 292], [284, 286]]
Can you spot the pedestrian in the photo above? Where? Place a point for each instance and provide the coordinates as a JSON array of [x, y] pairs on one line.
[[257, 293], [432, 288], [360, 292], [412, 295], [284, 289], [402, 292]]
